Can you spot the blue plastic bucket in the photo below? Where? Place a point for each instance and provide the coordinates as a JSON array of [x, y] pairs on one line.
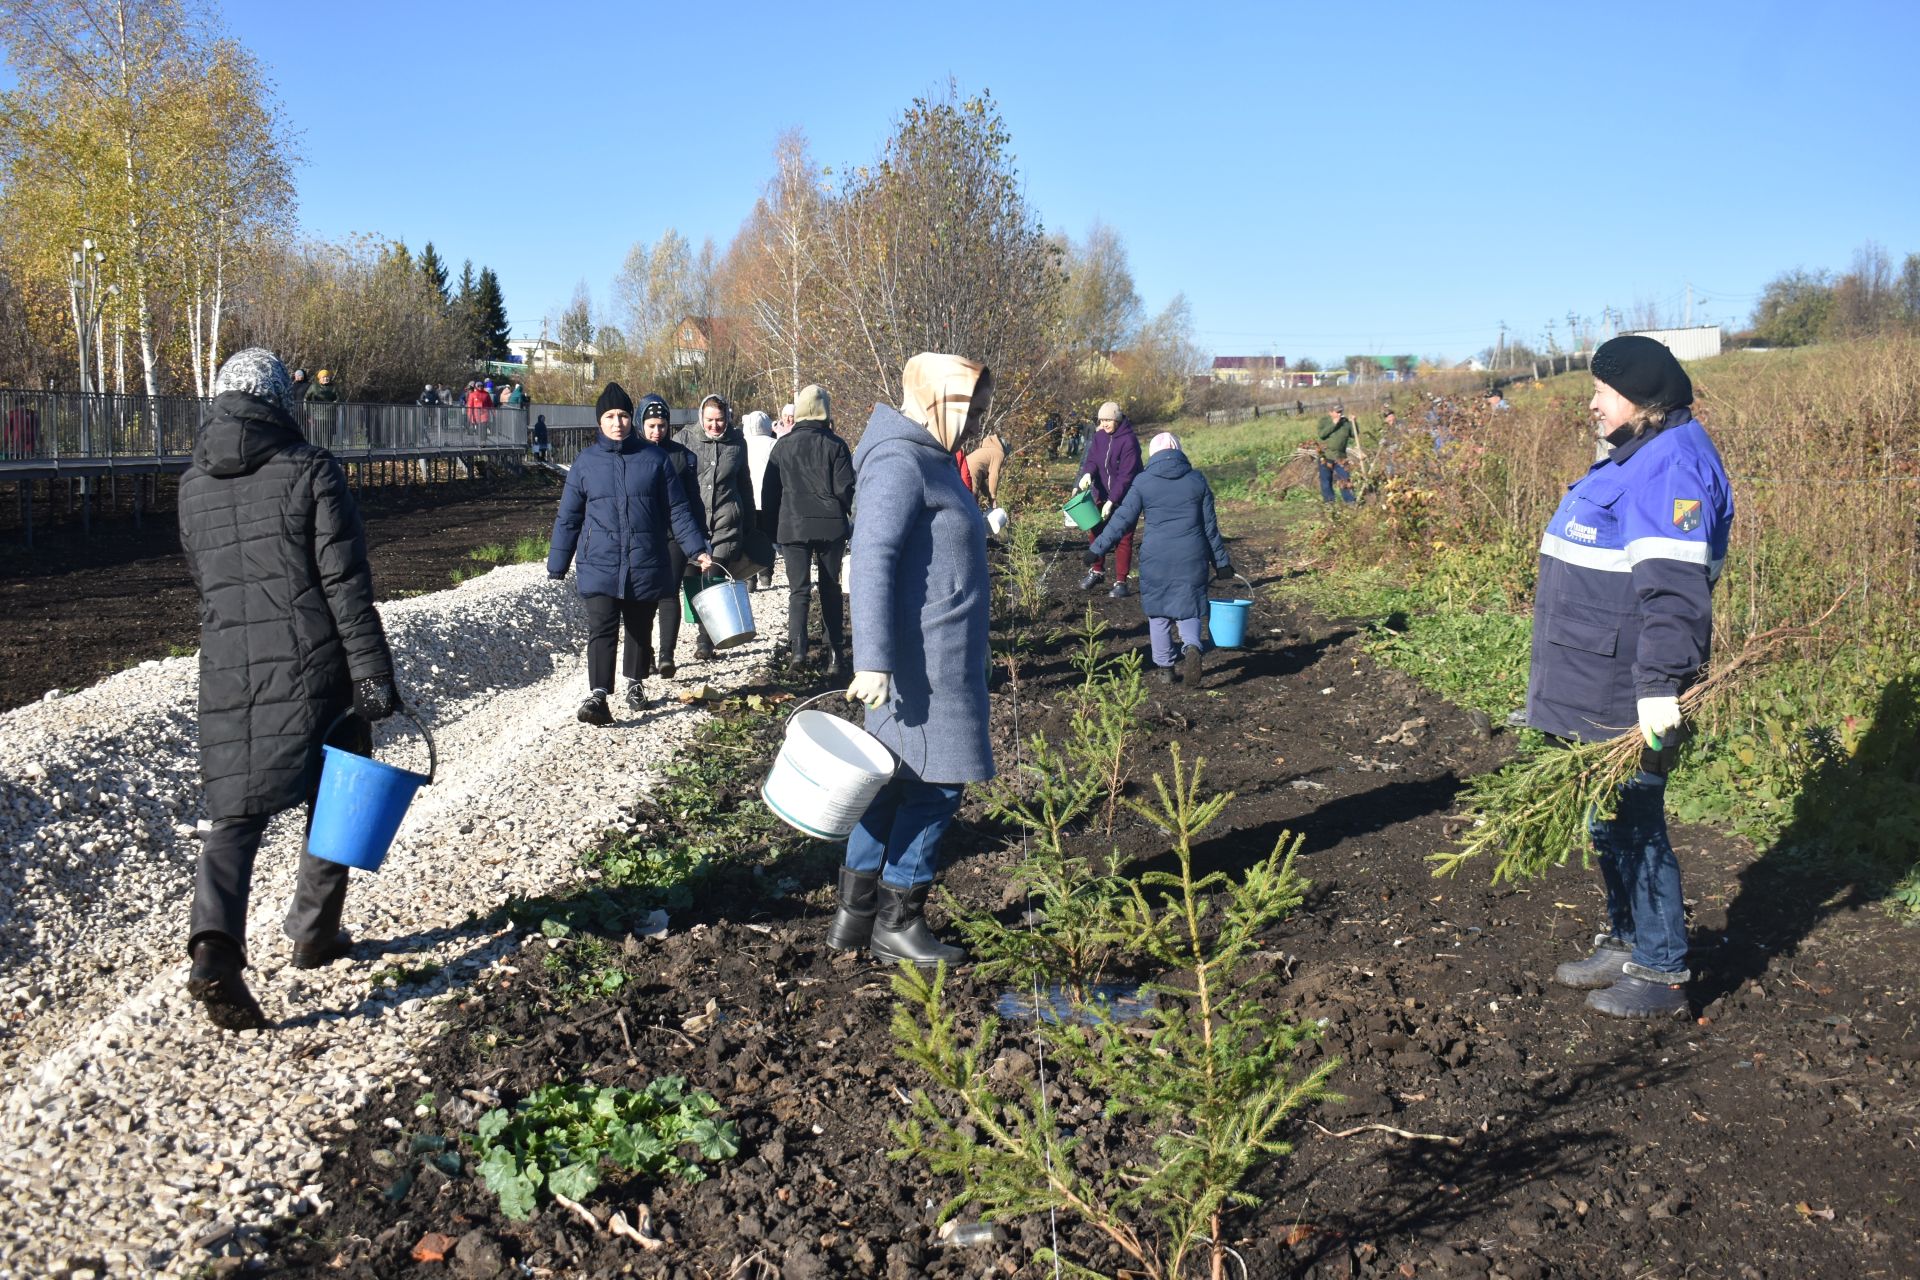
[[361, 803], [1227, 622]]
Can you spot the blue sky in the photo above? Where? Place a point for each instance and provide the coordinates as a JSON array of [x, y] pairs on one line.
[[1317, 180]]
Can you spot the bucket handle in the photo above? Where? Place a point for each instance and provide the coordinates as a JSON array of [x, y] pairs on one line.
[[1252, 598], [802, 706], [433, 759]]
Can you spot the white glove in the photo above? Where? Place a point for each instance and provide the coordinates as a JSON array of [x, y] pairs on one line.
[[1658, 718], [997, 521], [1106, 509], [875, 688], [1086, 482], [1066, 522]]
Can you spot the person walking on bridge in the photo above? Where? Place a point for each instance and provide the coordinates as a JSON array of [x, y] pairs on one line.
[[290, 644]]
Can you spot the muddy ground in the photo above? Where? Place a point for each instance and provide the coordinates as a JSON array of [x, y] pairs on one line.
[[1771, 1133], [79, 606]]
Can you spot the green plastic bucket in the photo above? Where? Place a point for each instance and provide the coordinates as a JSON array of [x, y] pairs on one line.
[[1083, 510]]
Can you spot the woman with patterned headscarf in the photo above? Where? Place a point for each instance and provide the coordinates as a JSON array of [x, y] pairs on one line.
[[289, 643]]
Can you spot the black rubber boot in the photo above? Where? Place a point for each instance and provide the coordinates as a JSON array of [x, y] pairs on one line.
[[1092, 580], [318, 955], [1604, 967], [1163, 674], [1119, 591], [1637, 997], [1190, 666], [853, 920], [216, 983], [837, 664], [900, 929]]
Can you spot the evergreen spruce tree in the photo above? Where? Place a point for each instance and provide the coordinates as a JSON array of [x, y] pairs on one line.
[[490, 322], [434, 268], [466, 314]]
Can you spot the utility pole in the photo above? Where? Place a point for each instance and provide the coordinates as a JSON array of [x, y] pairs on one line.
[[1689, 323], [1500, 349], [1573, 330]]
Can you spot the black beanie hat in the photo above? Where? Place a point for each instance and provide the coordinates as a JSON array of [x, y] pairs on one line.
[[1643, 371], [654, 407], [614, 397]]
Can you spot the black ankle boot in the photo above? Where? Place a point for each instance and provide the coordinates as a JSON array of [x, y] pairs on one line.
[[900, 929], [216, 983], [853, 920]]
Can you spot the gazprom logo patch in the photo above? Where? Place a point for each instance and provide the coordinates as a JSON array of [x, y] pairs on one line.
[[1582, 532]]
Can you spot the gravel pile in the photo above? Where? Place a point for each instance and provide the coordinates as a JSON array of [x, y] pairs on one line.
[[134, 1138]]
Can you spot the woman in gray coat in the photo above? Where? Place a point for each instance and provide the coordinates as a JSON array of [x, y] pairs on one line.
[[920, 596], [724, 482]]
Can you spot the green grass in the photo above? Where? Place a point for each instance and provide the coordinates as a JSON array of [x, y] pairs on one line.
[[1240, 459], [524, 550], [1449, 623]]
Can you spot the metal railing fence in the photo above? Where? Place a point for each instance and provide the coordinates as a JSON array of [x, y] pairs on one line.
[[76, 427]]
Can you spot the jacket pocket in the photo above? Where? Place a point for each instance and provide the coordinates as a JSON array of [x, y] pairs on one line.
[[1582, 662]]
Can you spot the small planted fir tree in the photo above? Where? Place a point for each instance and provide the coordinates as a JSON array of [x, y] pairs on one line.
[[1210, 1089]]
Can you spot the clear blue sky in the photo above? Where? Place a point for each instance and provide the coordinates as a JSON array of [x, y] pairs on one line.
[[1317, 180]]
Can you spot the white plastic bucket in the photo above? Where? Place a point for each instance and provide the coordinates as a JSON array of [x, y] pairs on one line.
[[725, 610], [827, 773]]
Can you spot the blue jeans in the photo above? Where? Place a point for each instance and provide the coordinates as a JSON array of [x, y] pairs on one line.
[[1329, 472], [900, 832], [1644, 903]]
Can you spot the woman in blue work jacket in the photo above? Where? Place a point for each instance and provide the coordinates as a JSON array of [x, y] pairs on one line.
[[1622, 624]]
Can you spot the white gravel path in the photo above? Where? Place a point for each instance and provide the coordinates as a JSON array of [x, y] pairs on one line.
[[134, 1136]]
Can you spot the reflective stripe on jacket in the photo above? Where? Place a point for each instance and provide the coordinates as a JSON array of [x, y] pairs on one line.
[[1624, 605]]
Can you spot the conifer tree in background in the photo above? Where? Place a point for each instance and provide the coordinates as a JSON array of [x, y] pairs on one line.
[[490, 317], [434, 268], [466, 313]]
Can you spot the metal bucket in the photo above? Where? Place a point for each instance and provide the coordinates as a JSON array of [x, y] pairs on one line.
[[725, 610]]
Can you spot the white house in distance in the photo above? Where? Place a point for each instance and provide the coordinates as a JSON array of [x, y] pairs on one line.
[[1698, 342], [540, 355]]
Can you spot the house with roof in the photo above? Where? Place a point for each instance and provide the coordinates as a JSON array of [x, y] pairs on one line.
[[1265, 371], [697, 337]]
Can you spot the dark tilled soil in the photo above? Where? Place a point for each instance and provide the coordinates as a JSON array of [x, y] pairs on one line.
[[1772, 1133], [80, 606]]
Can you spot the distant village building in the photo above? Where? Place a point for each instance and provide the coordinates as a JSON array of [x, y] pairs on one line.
[[696, 338], [541, 355], [1698, 342], [1265, 371]]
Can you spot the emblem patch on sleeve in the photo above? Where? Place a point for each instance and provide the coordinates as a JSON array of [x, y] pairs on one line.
[[1686, 514]]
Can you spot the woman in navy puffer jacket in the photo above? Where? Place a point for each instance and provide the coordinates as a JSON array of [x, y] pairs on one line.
[[621, 506], [1182, 544]]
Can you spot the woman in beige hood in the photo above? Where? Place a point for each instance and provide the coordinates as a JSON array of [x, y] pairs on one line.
[[920, 596]]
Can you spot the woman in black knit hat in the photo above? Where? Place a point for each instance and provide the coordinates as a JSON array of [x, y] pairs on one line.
[[622, 505], [1622, 625]]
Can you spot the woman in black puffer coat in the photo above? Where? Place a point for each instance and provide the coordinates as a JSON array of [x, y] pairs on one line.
[[725, 485], [289, 641]]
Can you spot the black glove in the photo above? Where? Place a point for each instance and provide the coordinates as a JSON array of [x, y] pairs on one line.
[[1089, 559], [556, 577], [1222, 572], [375, 698]]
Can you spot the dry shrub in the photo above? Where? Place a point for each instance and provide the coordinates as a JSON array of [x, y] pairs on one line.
[[1823, 448]]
